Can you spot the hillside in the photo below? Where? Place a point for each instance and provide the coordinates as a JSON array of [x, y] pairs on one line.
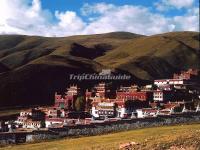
[[156, 56], [32, 68]]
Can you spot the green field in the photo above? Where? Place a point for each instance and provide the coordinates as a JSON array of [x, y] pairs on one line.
[[160, 138]]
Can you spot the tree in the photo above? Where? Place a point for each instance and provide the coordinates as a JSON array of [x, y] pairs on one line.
[[80, 103]]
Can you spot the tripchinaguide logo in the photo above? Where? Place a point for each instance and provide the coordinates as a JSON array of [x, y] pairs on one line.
[[105, 74]]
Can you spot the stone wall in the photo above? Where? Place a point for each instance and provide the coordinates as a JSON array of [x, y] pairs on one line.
[[98, 129]]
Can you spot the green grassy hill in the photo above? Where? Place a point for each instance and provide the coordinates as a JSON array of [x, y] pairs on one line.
[[32, 68]]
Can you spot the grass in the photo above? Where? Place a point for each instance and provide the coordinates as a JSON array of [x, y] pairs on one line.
[[160, 138]]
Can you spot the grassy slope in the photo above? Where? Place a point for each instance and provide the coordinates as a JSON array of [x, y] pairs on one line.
[[16, 50], [186, 136], [155, 56], [33, 68]]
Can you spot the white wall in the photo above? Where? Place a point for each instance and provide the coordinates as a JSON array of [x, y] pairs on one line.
[[94, 112], [140, 113], [31, 126]]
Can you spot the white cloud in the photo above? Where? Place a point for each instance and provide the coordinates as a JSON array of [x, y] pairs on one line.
[[135, 19], [18, 17], [28, 17], [100, 8], [138, 19], [168, 4], [69, 23], [188, 22], [181, 3]]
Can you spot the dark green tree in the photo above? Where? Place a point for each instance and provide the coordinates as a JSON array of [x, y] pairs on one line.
[[80, 103]]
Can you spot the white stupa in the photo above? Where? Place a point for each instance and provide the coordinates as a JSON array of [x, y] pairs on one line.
[[198, 108]]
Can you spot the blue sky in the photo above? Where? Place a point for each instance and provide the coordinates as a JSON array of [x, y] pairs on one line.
[[72, 17], [75, 5]]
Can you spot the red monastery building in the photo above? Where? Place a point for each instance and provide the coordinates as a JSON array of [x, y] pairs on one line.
[[190, 74], [142, 96], [67, 100], [132, 93], [163, 95], [184, 78], [102, 90]]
